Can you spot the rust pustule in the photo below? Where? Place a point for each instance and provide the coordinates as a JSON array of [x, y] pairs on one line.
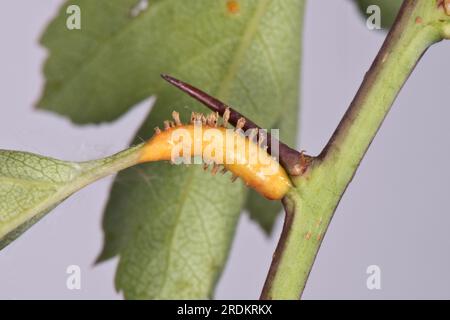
[[258, 169], [233, 6]]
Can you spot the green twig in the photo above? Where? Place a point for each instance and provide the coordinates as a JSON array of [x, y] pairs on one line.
[[311, 204]]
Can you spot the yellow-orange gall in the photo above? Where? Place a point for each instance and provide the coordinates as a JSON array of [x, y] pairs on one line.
[[219, 146]]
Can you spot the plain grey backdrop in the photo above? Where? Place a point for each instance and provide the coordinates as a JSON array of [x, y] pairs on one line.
[[395, 214]]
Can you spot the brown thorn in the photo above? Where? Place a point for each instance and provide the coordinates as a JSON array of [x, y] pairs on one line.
[[234, 178], [289, 158], [209, 101], [157, 130]]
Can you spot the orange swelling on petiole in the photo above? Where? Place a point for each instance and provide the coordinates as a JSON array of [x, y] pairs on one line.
[[266, 175]]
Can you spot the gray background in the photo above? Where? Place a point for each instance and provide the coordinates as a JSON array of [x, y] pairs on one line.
[[395, 214]]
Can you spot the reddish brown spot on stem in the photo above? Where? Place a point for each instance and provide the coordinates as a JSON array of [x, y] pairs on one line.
[[419, 20], [233, 6]]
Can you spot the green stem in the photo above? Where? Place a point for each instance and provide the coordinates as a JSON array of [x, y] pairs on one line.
[[80, 175], [311, 204], [100, 168]]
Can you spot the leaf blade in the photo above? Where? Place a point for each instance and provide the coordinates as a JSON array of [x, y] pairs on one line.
[[29, 187], [32, 185], [227, 55], [264, 212]]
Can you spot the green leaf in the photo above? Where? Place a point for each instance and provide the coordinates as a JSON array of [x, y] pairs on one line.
[[115, 60], [388, 8], [32, 185], [172, 226], [176, 245], [263, 211]]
